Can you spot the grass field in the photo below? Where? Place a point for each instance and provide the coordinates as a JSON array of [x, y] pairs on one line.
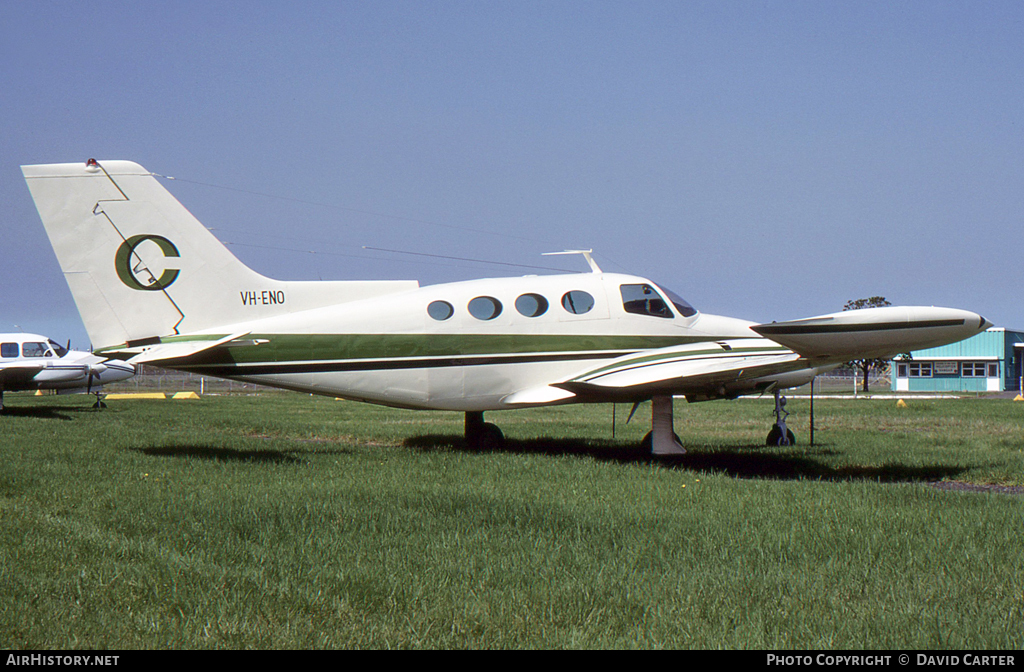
[[287, 521]]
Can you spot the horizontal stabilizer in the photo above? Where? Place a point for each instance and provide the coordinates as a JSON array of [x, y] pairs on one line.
[[177, 349]]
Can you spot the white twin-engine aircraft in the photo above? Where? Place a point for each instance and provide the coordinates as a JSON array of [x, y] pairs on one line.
[[34, 362], [154, 286]]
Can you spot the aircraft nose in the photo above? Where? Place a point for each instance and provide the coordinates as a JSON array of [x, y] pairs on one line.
[[112, 372], [124, 371]]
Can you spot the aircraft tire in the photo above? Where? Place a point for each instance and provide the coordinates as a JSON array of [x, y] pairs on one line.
[[775, 437], [488, 436]]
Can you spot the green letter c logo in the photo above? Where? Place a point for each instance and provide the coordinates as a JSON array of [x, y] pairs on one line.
[[123, 263]]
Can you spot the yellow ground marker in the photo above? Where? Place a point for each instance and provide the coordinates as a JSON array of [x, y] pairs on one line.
[[901, 404], [185, 395]]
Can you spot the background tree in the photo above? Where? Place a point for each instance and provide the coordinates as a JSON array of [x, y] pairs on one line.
[[866, 366]]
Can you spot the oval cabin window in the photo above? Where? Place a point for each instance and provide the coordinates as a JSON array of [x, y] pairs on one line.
[[440, 310], [531, 305], [577, 302], [485, 307]]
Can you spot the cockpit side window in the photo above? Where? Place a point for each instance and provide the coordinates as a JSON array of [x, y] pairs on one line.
[[59, 349], [642, 299], [9, 350], [33, 349]]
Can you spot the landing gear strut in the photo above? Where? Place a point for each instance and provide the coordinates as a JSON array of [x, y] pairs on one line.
[[662, 440], [482, 435], [780, 435]]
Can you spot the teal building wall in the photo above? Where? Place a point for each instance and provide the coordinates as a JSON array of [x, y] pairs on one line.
[[988, 362]]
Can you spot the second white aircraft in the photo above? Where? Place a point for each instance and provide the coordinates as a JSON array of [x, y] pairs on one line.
[[30, 362], [154, 286]]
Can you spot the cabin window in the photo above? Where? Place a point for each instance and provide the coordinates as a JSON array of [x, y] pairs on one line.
[[59, 349], [531, 305], [440, 310], [8, 349], [644, 300], [577, 302], [485, 307], [33, 350]]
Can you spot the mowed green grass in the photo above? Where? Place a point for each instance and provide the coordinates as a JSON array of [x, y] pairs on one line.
[[283, 520]]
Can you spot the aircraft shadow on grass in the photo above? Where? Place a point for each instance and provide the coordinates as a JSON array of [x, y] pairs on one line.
[[44, 412], [738, 461]]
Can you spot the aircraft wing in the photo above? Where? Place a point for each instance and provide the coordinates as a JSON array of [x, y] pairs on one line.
[[791, 354], [873, 332], [18, 376], [700, 370]]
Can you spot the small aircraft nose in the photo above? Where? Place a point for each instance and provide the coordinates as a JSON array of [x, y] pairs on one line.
[[121, 371], [112, 372]]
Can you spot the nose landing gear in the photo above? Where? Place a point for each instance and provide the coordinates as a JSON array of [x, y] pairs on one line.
[[780, 435]]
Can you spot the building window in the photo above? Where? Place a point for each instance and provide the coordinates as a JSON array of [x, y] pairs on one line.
[[920, 369], [993, 370], [973, 369], [901, 370]]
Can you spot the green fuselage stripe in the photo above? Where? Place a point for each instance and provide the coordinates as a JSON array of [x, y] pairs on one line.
[[303, 353], [663, 358], [320, 347]]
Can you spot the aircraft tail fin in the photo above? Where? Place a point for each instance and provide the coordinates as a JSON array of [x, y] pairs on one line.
[[140, 266]]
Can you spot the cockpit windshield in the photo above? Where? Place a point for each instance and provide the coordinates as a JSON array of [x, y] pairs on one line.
[[57, 348], [684, 308]]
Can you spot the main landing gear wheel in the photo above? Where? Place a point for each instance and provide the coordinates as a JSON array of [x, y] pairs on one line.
[[482, 435]]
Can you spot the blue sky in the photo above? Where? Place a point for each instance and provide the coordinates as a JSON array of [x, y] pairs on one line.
[[765, 160]]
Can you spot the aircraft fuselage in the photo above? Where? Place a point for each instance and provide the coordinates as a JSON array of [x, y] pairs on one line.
[[464, 345]]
